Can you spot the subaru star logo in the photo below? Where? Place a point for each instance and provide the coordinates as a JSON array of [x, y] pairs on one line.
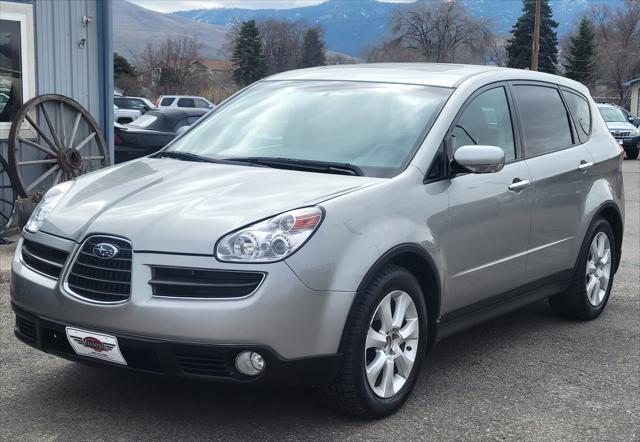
[[105, 250]]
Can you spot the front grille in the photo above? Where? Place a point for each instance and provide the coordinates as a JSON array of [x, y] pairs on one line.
[[620, 134], [26, 328], [180, 282], [100, 279], [43, 259], [204, 365]]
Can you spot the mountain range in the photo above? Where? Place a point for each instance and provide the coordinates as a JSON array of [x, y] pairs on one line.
[[351, 25], [134, 27]]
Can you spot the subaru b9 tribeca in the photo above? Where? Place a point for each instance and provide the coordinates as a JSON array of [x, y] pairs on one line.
[[327, 226]]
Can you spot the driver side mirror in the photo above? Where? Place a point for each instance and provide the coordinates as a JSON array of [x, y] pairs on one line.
[[480, 159]]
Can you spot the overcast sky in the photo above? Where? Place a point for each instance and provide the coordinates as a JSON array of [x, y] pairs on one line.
[[182, 5]]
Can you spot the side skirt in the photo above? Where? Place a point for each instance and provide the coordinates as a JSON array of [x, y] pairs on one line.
[[466, 317]]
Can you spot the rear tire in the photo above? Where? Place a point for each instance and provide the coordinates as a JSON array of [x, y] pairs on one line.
[[392, 358], [593, 276]]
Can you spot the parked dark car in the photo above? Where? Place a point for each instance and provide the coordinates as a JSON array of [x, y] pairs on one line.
[[151, 132]]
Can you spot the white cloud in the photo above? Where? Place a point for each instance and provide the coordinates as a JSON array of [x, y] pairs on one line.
[[183, 5]]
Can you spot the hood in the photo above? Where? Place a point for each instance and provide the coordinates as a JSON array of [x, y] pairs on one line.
[[621, 125], [167, 205]]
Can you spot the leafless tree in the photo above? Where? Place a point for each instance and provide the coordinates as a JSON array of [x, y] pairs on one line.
[[169, 65], [495, 49], [617, 45], [282, 43], [439, 31]]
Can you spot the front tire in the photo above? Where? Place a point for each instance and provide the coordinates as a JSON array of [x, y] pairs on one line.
[[593, 275], [632, 152], [383, 345]]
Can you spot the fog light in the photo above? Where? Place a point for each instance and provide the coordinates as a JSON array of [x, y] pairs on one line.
[[250, 363]]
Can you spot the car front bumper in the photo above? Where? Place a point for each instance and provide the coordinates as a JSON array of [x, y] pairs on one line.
[[284, 317], [202, 362], [629, 142]]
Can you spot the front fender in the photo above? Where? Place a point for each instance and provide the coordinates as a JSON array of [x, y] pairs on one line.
[[362, 226]]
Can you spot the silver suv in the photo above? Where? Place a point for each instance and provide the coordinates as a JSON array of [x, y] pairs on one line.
[[327, 226]]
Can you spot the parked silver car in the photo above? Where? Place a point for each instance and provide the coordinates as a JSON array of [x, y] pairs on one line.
[[328, 226], [625, 133]]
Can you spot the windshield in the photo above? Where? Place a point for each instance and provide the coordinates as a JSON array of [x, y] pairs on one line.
[[612, 115], [374, 126]]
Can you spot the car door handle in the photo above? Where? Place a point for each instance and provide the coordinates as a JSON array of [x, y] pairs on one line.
[[518, 184], [585, 165]]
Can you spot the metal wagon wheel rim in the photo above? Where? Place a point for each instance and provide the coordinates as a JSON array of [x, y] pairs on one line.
[[7, 197], [57, 153]]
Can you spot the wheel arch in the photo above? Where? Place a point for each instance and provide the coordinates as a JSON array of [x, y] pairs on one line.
[[417, 261], [610, 212]]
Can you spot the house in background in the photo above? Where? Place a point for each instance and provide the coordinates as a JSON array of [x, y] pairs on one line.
[[219, 71], [634, 108], [56, 47]]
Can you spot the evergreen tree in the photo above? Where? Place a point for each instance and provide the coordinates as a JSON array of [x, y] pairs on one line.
[[519, 45], [580, 61], [122, 67], [313, 51], [248, 56]]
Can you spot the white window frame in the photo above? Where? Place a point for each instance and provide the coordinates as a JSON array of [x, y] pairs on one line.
[[22, 13]]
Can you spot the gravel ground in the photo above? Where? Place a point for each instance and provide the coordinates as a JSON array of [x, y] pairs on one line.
[[528, 376]]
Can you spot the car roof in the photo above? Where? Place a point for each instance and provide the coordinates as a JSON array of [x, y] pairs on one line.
[[182, 96], [427, 74]]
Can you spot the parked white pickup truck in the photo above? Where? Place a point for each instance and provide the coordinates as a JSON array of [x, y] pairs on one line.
[[125, 116]]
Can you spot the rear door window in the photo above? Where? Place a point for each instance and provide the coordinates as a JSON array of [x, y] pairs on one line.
[[544, 119], [186, 102], [580, 112], [166, 101]]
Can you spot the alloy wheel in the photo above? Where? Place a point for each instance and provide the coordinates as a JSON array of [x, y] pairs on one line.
[[598, 271], [392, 344]]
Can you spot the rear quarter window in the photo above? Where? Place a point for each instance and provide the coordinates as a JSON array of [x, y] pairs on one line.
[[543, 118], [581, 113]]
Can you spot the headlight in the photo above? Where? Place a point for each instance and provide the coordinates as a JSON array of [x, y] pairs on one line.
[[46, 206], [635, 133], [272, 239]]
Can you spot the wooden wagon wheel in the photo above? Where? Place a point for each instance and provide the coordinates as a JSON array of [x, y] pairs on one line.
[[7, 197], [64, 142]]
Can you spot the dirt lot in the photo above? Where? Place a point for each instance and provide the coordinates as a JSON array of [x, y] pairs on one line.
[[528, 375]]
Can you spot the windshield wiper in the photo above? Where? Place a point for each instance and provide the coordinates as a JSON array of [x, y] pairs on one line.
[[188, 156], [294, 164]]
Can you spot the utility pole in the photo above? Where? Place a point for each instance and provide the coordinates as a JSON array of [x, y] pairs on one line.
[[535, 49]]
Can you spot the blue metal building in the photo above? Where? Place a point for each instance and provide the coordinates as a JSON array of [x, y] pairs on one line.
[[66, 48]]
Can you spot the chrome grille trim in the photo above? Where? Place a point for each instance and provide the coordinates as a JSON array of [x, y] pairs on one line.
[[203, 284], [98, 280]]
